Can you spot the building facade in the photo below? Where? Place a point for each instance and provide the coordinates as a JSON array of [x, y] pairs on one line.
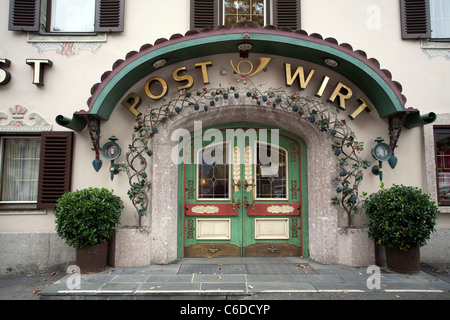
[[246, 128]]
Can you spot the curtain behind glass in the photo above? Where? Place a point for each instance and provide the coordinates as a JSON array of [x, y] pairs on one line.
[[20, 169]]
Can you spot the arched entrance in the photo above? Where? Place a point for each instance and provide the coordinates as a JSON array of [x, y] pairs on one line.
[[242, 188], [320, 230]]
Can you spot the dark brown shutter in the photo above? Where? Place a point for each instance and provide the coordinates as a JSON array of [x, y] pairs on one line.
[[55, 167], [109, 15], [24, 15], [204, 14], [415, 19], [286, 13]]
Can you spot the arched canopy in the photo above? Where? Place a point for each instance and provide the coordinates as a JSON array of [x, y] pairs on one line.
[[377, 85]]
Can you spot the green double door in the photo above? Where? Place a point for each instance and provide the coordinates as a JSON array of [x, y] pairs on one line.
[[242, 194]]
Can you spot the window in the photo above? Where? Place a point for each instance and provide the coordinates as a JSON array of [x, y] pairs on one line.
[[72, 15], [35, 170], [442, 145], [440, 19], [425, 19], [271, 179], [243, 10], [212, 13], [213, 177], [66, 16], [19, 169]]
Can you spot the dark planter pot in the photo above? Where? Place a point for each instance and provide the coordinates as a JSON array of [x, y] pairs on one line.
[[92, 258], [407, 262]]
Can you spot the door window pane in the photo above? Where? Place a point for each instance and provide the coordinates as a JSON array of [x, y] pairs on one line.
[[20, 169], [243, 10], [72, 15], [213, 172], [271, 176]]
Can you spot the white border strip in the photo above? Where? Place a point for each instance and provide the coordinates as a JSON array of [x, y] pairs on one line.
[[314, 291], [414, 290], [242, 291]]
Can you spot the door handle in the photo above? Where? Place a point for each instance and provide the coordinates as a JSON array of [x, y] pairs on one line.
[[248, 186], [234, 203], [236, 185], [246, 203]]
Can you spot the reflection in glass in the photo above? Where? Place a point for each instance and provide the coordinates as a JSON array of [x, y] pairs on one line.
[[243, 10], [213, 173], [271, 177]]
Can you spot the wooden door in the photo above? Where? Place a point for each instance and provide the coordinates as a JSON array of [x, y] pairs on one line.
[[241, 196]]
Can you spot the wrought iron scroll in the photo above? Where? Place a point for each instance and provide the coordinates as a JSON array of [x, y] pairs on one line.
[[94, 132]]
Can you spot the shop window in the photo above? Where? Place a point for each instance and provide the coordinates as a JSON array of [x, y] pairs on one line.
[[212, 13], [442, 145], [66, 16], [425, 19]]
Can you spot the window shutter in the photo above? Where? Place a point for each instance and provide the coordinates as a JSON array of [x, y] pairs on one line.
[[286, 14], [415, 19], [24, 15], [55, 167], [204, 14], [109, 15]]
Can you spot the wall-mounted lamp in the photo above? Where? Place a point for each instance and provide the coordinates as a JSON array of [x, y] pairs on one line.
[[111, 151], [381, 152]]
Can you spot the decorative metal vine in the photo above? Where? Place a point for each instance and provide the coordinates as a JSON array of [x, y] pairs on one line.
[[345, 146]]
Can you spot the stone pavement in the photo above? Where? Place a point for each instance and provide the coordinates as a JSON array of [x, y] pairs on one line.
[[240, 278]]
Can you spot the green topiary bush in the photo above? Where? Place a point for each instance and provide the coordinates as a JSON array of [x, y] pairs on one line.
[[87, 217], [400, 217]]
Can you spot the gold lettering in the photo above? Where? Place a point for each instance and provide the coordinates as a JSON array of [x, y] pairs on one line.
[[131, 102], [186, 77], [322, 86], [298, 73], [364, 105], [342, 96], [5, 76], [38, 69], [203, 65], [148, 84]]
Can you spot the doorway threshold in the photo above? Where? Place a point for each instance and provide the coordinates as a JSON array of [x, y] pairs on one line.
[[244, 265]]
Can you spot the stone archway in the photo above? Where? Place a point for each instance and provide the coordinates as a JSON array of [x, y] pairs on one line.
[[321, 163]]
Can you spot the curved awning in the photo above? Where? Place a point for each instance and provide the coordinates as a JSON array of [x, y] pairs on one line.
[[376, 83]]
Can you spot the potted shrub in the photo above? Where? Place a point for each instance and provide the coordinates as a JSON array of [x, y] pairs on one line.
[[86, 219], [401, 219]]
